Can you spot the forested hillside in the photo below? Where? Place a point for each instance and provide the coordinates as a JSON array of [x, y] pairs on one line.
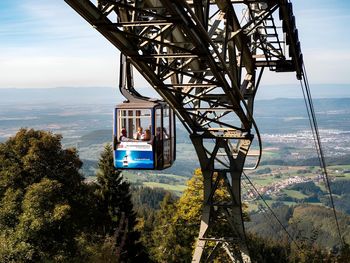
[[311, 232], [49, 213], [309, 224]]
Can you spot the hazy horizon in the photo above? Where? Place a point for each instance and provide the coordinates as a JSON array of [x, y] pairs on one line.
[[111, 95]]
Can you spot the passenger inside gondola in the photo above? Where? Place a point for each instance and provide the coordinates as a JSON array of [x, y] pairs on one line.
[[143, 137], [139, 133], [146, 136], [123, 137]]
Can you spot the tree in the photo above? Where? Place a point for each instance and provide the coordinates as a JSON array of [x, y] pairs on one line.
[[163, 238], [40, 197], [117, 218], [344, 255], [177, 222], [49, 214]]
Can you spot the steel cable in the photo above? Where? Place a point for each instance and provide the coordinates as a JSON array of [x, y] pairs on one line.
[[314, 127]]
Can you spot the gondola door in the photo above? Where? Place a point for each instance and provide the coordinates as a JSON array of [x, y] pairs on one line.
[[158, 142], [164, 137]]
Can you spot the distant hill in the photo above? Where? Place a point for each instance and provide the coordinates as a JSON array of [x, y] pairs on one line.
[[95, 137], [285, 107], [319, 91], [84, 117], [63, 95], [101, 95], [290, 115]]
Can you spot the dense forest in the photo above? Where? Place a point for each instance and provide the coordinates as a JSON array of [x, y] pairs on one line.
[[49, 213]]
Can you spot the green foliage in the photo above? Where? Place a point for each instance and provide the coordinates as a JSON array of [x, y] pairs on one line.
[[342, 203], [163, 235], [117, 218], [40, 188], [344, 255], [341, 187], [48, 213], [265, 170], [307, 188], [146, 196], [272, 251], [268, 250], [177, 223], [312, 228], [147, 201]]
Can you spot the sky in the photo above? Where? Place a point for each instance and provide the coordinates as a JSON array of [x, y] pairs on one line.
[[45, 44]]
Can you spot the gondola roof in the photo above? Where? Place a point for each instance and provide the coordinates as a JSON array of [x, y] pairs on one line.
[[140, 105]]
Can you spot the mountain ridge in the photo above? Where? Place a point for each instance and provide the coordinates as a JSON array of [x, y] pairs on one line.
[[112, 95]]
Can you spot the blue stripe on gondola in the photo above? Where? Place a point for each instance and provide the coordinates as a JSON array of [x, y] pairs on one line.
[[126, 159]]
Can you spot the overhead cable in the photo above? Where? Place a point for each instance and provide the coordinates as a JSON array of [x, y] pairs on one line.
[[315, 132]]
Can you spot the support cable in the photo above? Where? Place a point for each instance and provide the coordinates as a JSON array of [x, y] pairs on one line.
[[314, 127]]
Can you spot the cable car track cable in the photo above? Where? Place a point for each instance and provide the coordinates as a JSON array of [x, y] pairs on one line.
[[315, 132]]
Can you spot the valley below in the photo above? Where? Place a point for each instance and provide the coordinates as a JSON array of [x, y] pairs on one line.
[[289, 163]]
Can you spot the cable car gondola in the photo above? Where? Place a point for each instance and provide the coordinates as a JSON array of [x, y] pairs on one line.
[[144, 128], [144, 135]]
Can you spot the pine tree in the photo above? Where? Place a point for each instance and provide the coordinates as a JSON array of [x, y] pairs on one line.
[[163, 242], [117, 219]]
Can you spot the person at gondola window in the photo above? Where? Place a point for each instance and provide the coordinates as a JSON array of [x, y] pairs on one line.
[[146, 136], [139, 134], [123, 137]]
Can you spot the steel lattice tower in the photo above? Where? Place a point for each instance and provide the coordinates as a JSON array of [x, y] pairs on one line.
[[206, 59]]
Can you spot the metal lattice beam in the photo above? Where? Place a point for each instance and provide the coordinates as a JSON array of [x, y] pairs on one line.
[[203, 58]]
